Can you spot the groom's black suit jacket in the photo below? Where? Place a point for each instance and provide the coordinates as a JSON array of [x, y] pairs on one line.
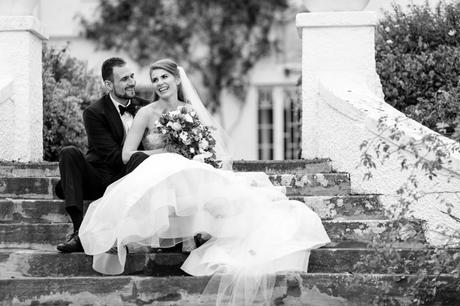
[[105, 132]]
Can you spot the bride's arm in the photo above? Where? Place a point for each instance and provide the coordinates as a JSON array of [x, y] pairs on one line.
[[135, 134]]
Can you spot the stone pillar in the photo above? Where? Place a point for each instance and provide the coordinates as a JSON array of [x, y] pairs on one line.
[[333, 43], [21, 96]]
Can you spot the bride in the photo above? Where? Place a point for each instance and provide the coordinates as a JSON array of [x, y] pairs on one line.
[[256, 230]]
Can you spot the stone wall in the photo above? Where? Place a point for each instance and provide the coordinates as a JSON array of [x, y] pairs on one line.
[[21, 95], [342, 104]]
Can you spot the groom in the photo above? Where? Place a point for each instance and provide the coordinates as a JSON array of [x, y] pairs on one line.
[[107, 122]]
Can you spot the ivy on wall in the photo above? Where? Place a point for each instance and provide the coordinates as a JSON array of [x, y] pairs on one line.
[[220, 39]]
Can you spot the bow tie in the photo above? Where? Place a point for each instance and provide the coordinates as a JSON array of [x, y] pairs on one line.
[[130, 109]]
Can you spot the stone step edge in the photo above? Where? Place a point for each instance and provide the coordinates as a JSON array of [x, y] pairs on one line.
[[327, 184], [290, 289], [300, 198], [283, 166], [345, 221], [271, 175], [58, 201], [21, 263], [343, 233], [357, 207], [357, 195], [322, 249], [271, 166], [279, 275], [4, 163]]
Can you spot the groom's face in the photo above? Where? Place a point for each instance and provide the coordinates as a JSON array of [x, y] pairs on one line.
[[123, 84]]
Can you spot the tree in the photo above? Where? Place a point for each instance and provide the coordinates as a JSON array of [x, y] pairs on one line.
[[220, 39], [68, 87]]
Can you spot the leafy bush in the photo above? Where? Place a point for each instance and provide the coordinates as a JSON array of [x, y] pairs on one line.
[[442, 112], [68, 87], [437, 270], [418, 60]]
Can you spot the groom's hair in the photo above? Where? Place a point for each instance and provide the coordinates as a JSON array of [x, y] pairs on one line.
[[107, 67]]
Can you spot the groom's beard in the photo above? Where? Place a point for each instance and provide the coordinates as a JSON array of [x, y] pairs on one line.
[[125, 94]]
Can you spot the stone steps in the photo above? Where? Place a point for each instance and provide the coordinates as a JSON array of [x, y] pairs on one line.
[[33, 263], [32, 272], [345, 207], [51, 169], [28, 187], [37, 169], [32, 211], [320, 165], [42, 236], [290, 289], [352, 207], [320, 184]]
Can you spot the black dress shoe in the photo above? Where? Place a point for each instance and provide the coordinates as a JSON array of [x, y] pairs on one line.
[[71, 245], [174, 249]]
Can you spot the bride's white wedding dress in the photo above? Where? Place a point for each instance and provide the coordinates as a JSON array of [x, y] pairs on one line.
[[255, 228]]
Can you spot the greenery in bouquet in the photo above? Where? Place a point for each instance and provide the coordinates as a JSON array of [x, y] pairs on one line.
[[183, 133]]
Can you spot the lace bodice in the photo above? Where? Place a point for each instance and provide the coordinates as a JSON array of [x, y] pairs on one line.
[[151, 139]]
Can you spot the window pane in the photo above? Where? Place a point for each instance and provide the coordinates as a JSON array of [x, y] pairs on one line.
[[292, 123], [265, 122]]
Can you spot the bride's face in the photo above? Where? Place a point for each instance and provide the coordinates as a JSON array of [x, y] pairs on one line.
[[164, 84]]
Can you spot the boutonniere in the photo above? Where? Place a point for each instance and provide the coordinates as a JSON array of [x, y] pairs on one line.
[[136, 108]]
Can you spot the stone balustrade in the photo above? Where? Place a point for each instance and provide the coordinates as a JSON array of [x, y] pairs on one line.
[[342, 104]]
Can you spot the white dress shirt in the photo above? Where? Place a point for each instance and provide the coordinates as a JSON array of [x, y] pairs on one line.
[[126, 118]]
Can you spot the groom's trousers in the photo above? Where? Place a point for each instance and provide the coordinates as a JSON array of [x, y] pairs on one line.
[[81, 181]]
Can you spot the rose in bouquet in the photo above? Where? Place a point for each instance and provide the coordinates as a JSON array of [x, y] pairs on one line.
[[183, 133]]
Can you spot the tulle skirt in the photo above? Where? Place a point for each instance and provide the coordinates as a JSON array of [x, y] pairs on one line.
[[256, 230]]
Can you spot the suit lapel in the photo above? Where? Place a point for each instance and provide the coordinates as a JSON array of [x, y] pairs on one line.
[[114, 119]]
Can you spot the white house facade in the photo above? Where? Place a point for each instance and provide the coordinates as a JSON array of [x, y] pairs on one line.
[[265, 126]]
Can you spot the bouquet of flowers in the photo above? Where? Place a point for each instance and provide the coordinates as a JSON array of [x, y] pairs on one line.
[[183, 133]]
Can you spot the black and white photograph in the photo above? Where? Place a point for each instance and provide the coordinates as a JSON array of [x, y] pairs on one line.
[[229, 152]]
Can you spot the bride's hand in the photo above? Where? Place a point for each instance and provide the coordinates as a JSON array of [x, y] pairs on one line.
[[201, 157], [168, 149]]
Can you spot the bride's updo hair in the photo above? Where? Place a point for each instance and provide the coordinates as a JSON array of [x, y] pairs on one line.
[[170, 66]]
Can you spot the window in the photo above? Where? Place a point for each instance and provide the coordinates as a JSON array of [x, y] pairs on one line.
[[265, 123], [279, 125]]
